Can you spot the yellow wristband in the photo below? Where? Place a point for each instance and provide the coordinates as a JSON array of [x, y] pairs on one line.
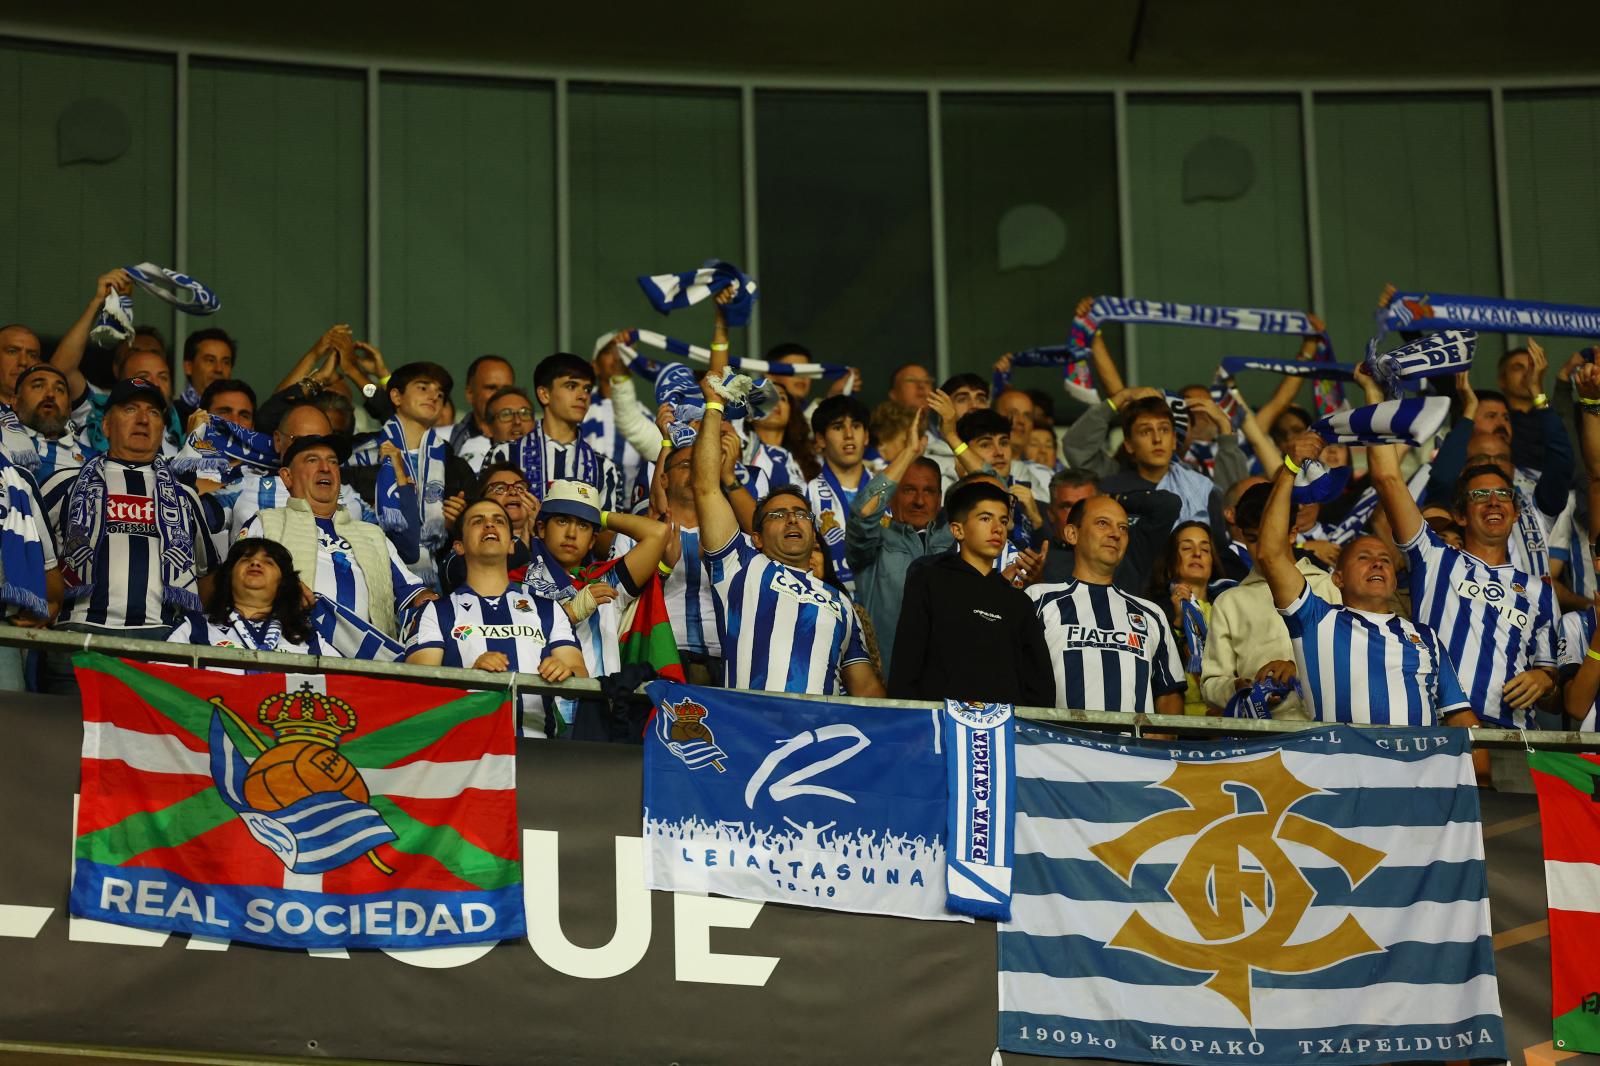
[[714, 406], [959, 448], [1288, 462], [666, 571], [1110, 403], [385, 379], [719, 347], [1591, 653], [605, 516], [666, 445]]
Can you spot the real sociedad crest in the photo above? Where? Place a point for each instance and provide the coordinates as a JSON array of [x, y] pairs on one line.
[[682, 728]]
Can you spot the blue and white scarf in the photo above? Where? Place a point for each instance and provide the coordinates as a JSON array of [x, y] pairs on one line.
[[703, 355], [21, 548], [1075, 376], [674, 292], [1294, 368], [85, 529], [1486, 314], [114, 324], [1253, 702], [1194, 634], [1317, 482], [1446, 352], [742, 397], [16, 444], [528, 452], [351, 635], [1355, 520], [255, 635], [1408, 421], [1163, 313], [980, 761], [218, 439], [418, 507], [829, 491], [189, 397]]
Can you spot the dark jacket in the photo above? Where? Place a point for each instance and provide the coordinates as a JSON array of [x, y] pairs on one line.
[[968, 636], [1151, 515]]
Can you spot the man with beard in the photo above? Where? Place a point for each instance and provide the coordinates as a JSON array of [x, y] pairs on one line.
[[41, 405]]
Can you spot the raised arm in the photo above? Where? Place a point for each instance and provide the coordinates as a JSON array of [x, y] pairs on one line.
[[1586, 383], [1289, 387], [335, 343], [718, 523], [68, 356], [1106, 375], [870, 502], [1274, 551], [939, 403], [1383, 465], [650, 539]]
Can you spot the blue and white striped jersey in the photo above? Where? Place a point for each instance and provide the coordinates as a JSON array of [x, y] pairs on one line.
[[782, 629], [690, 604], [560, 463], [1494, 621], [339, 575], [65, 452], [196, 628], [1110, 651], [830, 501], [518, 624], [767, 467], [255, 493], [1577, 630], [1369, 668], [599, 429], [127, 565]]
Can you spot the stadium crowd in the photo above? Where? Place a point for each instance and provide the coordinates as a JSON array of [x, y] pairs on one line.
[[956, 539]]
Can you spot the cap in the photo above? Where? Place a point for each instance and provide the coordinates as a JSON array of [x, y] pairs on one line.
[[339, 445], [39, 368], [576, 498], [137, 389]]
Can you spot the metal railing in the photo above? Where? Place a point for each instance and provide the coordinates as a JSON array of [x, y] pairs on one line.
[[577, 688]]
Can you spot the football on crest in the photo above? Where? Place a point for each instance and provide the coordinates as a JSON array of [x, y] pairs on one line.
[[291, 771]]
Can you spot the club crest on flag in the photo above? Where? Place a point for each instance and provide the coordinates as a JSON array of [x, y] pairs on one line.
[[683, 730], [1245, 914], [299, 796]]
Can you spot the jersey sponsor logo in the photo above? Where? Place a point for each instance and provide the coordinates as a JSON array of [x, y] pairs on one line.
[[332, 542], [497, 632], [1136, 623], [1106, 639], [795, 588], [1495, 595], [524, 605], [130, 514]]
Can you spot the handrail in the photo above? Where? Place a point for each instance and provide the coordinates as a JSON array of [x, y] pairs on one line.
[[578, 688]]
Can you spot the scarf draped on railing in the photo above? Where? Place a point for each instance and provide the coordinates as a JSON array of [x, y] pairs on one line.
[[674, 292], [1486, 314], [1407, 421], [114, 324], [85, 530], [980, 760], [648, 368]]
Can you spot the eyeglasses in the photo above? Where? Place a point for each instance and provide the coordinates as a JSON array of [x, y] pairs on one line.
[[799, 514], [502, 488], [1485, 495], [510, 414]]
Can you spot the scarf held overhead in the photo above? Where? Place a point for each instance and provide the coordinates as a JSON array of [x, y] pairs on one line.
[[1417, 310], [673, 292], [114, 324]]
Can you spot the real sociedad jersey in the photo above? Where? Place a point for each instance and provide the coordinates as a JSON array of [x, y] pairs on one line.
[[561, 464], [767, 467], [128, 588], [339, 575], [1369, 669], [690, 604], [65, 452], [1110, 651], [782, 629], [195, 628], [1494, 621], [518, 624], [1577, 630]]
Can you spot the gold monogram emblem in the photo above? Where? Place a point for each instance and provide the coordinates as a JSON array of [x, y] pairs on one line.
[[1213, 884]]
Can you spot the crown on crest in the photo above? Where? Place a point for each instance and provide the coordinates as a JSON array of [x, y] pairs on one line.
[[688, 711], [306, 714]]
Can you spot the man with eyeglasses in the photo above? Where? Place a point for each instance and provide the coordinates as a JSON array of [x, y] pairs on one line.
[[510, 415], [782, 629], [1497, 622], [504, 484]]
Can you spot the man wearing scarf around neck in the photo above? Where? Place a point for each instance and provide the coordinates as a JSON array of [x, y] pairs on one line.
[[564, 386], [415, 468], [134, 546], [43, 407]]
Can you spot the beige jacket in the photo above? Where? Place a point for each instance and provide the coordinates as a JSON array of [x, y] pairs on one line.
[[295, 527], [1247, 632]]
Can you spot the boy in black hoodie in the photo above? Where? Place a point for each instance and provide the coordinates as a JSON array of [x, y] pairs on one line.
[[965, 633]]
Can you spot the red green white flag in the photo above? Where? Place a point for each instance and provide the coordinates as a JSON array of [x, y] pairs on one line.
[[1569, 813], [296, 811]]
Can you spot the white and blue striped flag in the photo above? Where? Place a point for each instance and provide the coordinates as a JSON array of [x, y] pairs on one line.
[[1314, 899]]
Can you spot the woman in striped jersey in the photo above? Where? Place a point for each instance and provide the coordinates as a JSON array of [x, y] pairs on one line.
[[256, 603]]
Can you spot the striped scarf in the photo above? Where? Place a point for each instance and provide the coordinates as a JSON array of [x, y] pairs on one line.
[[528, 452], [1416, 310], [649, 368], [85, 530], [217, 443], [1194, 634], [1408, 421], [114, 323], [21, 547], [673, 292], [1446, 352], [351, 635], [1162, 313], [424, 508], [646, 630], [16, 441]]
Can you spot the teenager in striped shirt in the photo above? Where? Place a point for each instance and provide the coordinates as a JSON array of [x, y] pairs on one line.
[[1356, 661]]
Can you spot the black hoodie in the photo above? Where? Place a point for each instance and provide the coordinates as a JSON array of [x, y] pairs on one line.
[[968, 636]]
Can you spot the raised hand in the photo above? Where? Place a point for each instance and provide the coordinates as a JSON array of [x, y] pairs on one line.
[[1386, 296], [1305, 447], [1084, 306], [1541, 363]]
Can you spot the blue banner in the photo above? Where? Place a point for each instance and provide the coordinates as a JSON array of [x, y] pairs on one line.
[[795, 801]]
